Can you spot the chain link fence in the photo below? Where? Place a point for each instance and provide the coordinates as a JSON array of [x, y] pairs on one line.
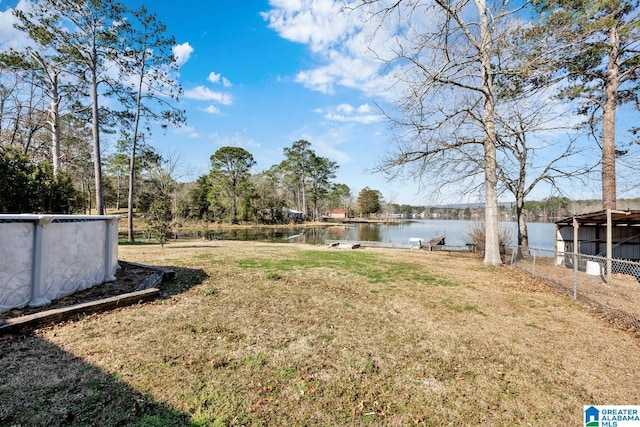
[[611, 286]]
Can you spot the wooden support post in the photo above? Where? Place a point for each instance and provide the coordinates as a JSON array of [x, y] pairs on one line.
[[609, 245]]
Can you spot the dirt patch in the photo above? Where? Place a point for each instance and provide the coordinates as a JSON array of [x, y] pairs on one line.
[[129, 278]]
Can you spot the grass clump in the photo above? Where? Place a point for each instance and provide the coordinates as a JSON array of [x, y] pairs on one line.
[[274, 276]]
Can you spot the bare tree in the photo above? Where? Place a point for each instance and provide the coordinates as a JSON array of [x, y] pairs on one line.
[[445, 50], [23, 116], [536, 145]]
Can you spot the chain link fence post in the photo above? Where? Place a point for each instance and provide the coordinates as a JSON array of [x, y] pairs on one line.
[[575, 275], [533, 272]]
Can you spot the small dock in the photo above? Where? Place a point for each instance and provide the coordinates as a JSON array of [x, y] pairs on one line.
[[345, 245], [351, 244], [436, 243]]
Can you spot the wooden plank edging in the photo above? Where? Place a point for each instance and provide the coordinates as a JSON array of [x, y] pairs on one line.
[[167, 273], [57, 314]]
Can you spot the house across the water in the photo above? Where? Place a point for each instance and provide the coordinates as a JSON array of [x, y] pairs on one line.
[[292, 215], [335, 214]]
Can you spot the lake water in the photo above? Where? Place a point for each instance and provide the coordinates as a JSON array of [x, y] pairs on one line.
[[541, 235]]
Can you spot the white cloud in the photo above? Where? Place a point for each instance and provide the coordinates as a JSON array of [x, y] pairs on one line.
[[189, 131], [238, 139], [218, 78], [371, 118], [11, 38], [347, 113], [321, 79], [330, 151], [182, 53], [214, 77], [348, 51], [203, 93], [351, 71], [318, 23], [327, 140], [212, 109], [345, 108]]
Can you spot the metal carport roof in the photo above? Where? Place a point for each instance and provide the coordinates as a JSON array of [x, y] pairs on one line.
[[608, 218], [626, 217]]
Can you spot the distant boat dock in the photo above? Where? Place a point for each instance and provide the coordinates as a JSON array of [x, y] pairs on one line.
[[434, 244]]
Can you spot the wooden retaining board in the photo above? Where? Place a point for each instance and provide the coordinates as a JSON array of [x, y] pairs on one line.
[[55, 315]]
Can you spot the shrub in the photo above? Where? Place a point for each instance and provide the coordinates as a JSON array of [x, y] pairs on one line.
[[30, 187], [158, 219], [476, 235]]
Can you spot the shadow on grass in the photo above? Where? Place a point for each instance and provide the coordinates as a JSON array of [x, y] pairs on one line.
[[185, 279], [43, 385], [187, 246], [125, 242]]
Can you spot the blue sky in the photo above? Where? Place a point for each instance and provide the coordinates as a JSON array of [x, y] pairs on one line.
[[261, 74]]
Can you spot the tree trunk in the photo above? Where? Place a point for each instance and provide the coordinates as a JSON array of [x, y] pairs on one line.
[[118, 183], [89, 195], [234, 212], [132, 174], [132, 160], [523, 233], [492, 241], [97, 161], [304, 200], [55, 124], [609, 197]]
